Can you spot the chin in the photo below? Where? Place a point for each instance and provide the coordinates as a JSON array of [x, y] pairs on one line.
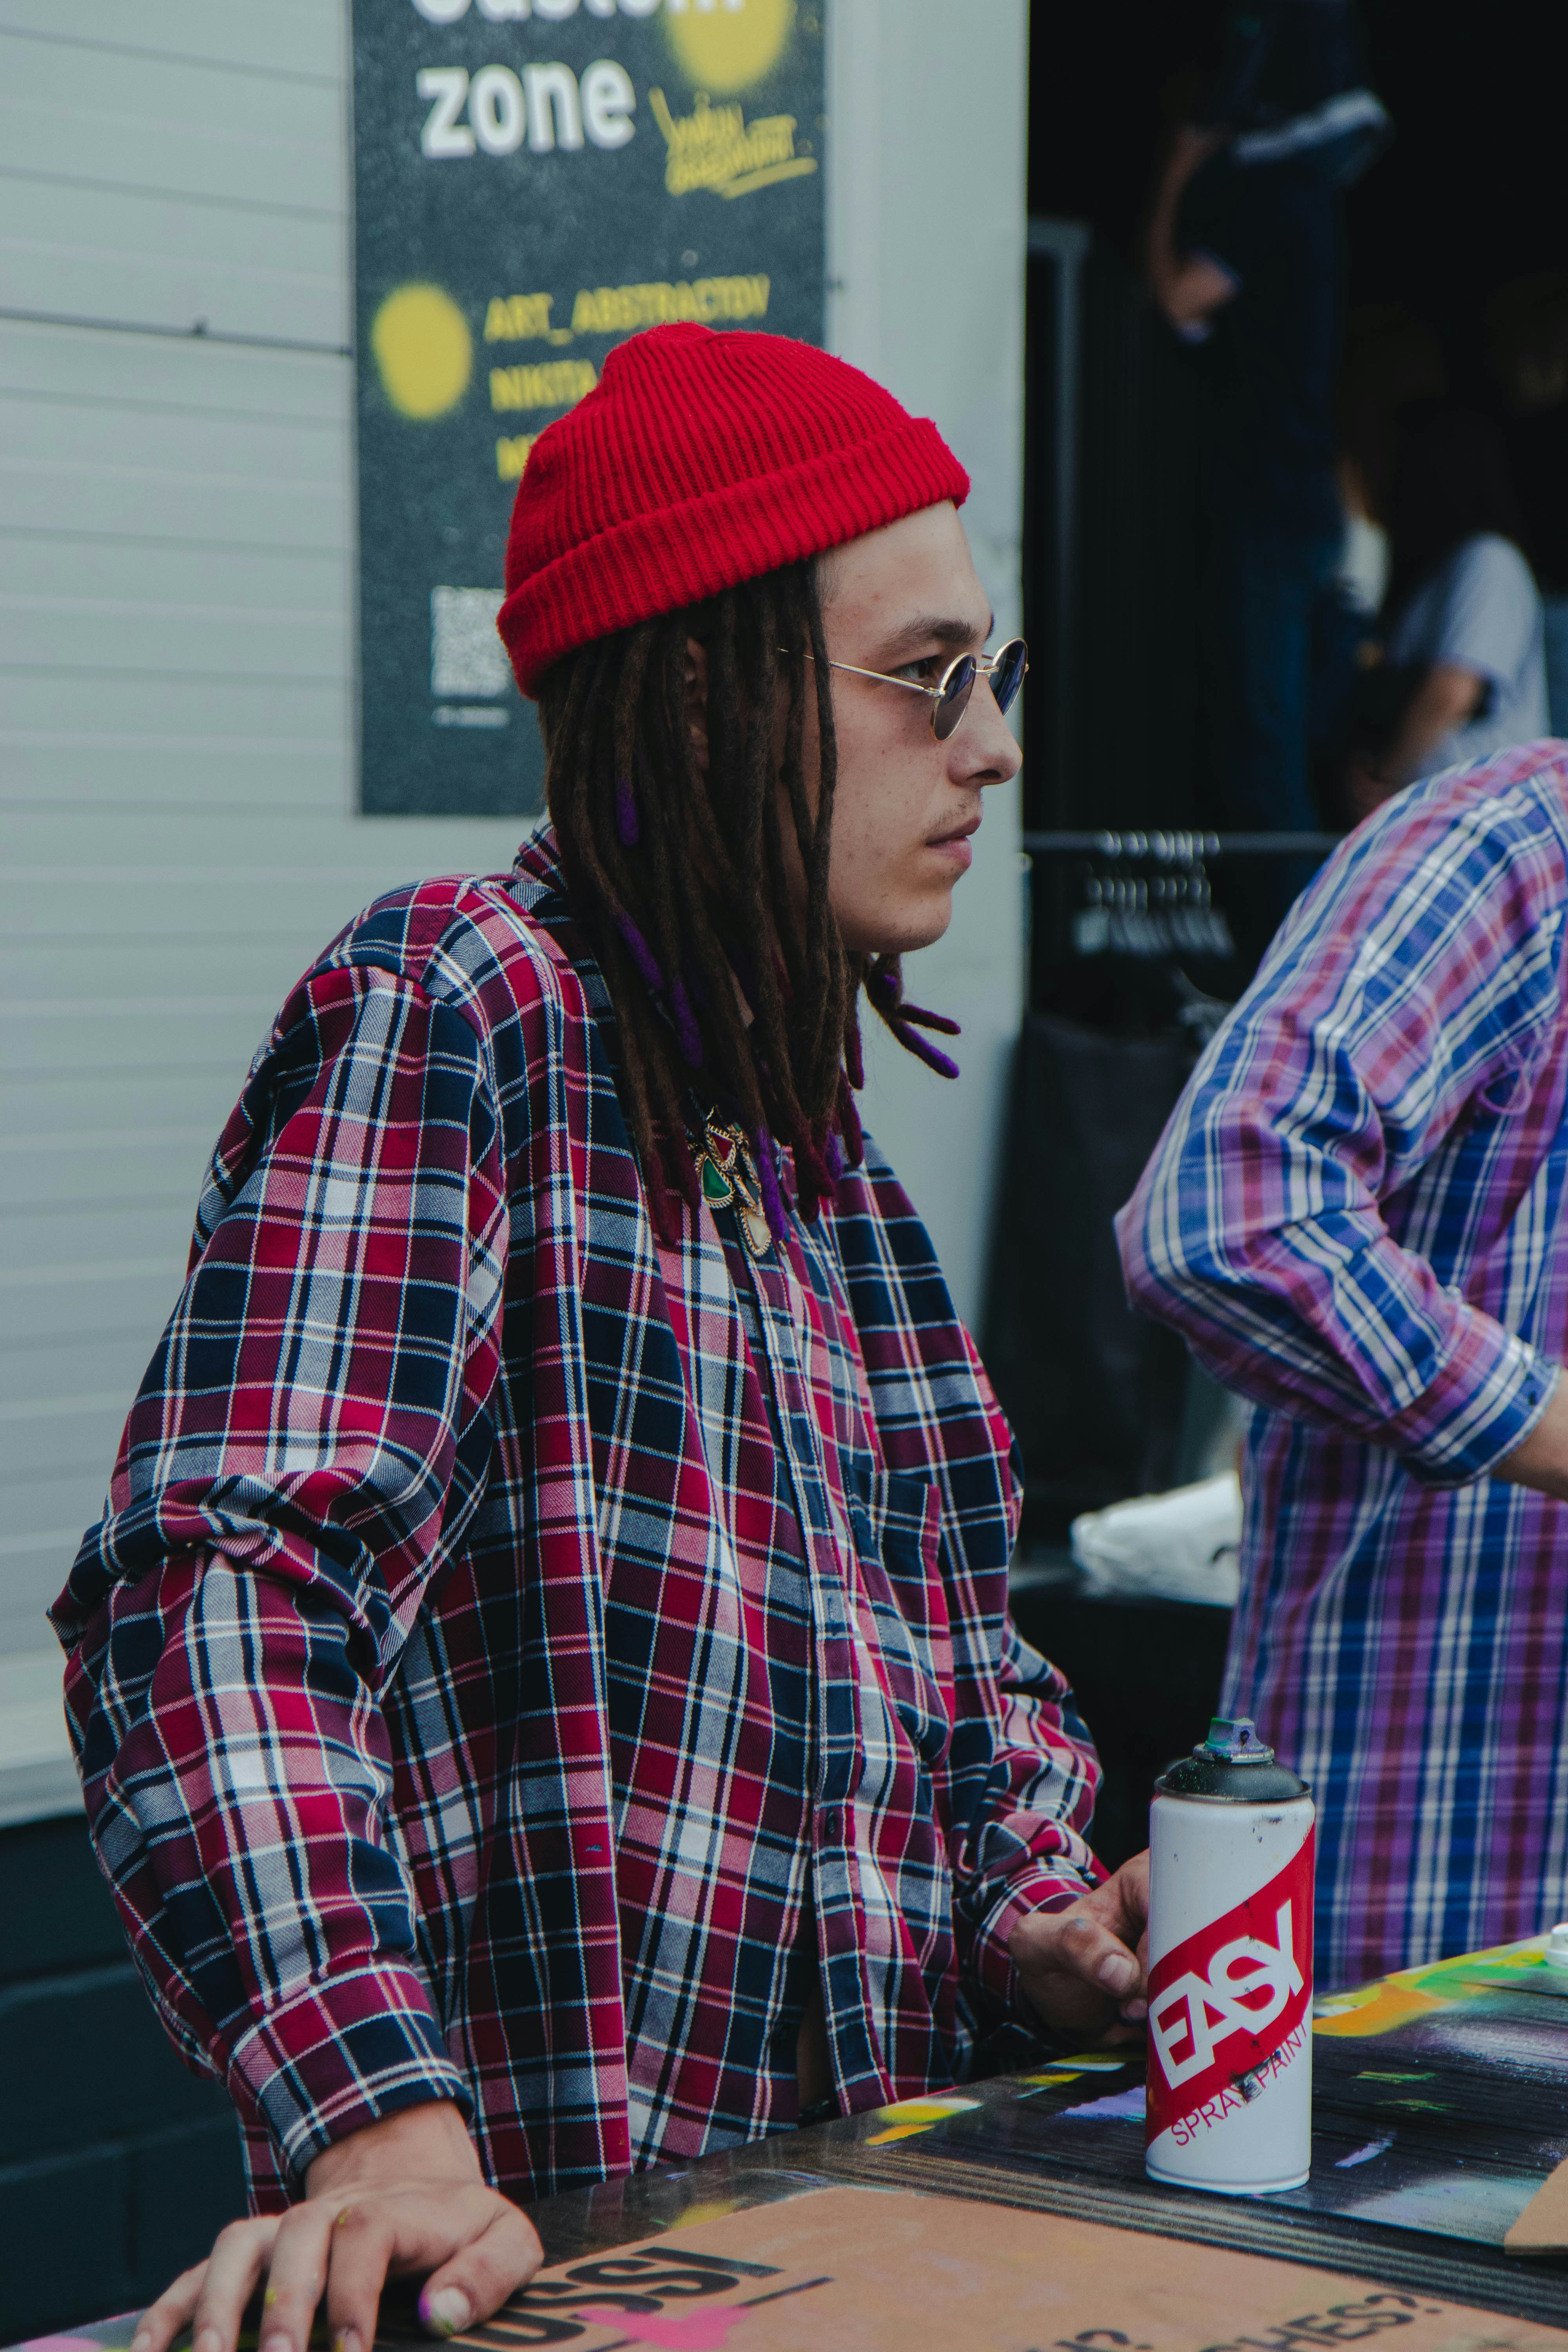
[[915, 928]]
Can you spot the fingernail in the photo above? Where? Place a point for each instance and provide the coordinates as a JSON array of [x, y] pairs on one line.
[[346, 2340], [1117, 1970], [444, 2313], [209, 2340], [276, 2343], [142, 2341], [1134, 2012]]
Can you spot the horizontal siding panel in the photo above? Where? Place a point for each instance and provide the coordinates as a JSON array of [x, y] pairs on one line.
[[23, 1627], [189, 477], [153, 1167], [65, 1470], [309, 783], [98, 713], [312, 899], [72, 1295], [73, 1441], [146, 500], [47, 1368], [86, 1192], [65, 972], [226, 580], [249, 859], [315, 908], [239, 140], [147, 1032], [119, 635], [34, 1240], [296, 39], [189, 1103], [160, 262], [127, 374]]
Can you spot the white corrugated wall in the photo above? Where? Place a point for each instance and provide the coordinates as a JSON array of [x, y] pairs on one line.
[[178, 832]]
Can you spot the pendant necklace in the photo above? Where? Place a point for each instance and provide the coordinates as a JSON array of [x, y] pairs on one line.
[[727, 1173]]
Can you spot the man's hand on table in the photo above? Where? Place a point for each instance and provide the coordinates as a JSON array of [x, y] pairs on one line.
[[1084, 1970], [402, 2198]]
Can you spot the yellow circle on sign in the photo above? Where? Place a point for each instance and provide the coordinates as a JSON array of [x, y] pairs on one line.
[[424, 350], [724, 48]]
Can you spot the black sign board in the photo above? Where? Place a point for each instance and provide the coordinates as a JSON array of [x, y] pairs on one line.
[[534, 180]]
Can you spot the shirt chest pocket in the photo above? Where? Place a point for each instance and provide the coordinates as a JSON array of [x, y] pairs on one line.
[[897, 1533]]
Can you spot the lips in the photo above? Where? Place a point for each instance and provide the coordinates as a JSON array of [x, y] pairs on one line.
[[956, 833]]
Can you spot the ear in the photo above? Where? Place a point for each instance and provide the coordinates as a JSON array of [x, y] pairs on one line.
[[697, 700]]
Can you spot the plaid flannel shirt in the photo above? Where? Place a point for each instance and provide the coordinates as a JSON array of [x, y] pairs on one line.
[[1356, 1217], [507, 1636]]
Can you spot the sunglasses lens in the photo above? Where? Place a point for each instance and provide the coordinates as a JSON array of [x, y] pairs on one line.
[[1009, 675], [957, 688]]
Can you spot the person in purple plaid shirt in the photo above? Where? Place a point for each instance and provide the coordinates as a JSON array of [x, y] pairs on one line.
[[542, 1681], [1356, 1218]]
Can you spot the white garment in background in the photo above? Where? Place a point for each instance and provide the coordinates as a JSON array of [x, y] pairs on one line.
[[1480, 610], [1184, 1546]]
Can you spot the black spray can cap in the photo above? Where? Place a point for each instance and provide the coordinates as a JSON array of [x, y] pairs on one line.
[[1232, 1767]]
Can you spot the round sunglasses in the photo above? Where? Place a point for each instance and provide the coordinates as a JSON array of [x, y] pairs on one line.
[[1006, 669]]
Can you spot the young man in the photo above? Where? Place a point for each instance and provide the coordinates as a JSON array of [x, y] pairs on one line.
[[543, 1683], [1355, 1218]]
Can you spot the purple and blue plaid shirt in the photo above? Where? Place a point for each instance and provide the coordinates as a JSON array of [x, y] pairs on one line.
[[509, 1636], [1356, 1219]]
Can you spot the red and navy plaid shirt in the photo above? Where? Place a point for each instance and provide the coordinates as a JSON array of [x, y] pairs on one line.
[[510, 1638]]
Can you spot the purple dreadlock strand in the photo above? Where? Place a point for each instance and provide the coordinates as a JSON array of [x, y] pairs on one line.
[[685, 1030], [671, 995], [766, 1157], [627, 824], [885, 987], [642, 955]]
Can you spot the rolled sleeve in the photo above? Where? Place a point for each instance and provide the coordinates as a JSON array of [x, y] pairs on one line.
[[1492, 1390], [991, 1960], [342, 2055], [1027, 1846]]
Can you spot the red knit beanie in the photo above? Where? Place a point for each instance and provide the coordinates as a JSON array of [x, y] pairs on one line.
[[698, 461]]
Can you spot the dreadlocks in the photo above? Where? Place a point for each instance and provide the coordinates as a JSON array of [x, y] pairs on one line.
[[681, 881]]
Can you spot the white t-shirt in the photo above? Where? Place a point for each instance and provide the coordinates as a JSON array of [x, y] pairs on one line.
[[1480, 610]]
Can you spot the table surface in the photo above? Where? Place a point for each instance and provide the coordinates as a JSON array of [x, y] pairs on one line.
[[1440, 2105]]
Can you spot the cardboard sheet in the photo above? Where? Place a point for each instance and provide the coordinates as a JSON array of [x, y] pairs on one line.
[[1543, 2227], [859, 2270]]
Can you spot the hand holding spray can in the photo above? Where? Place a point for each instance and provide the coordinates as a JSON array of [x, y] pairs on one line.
[[1230, 1970]]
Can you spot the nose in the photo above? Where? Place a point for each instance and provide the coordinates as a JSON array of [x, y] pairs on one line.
[[986, 746]]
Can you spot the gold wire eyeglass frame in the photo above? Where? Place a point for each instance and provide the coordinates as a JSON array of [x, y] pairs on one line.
[[951, 687]]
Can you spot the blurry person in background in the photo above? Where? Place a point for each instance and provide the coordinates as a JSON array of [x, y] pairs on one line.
[[1527, 345], [1463, 671], [1391, 358], [1245, 256]]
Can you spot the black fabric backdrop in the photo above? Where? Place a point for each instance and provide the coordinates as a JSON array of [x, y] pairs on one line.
[[1095, 1394]]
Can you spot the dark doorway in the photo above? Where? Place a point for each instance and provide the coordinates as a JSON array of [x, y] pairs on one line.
[[1465, 200]]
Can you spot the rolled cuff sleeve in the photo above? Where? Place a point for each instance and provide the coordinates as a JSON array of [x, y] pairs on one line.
[[1491, 1390], [342, 2055], [991, 1960]]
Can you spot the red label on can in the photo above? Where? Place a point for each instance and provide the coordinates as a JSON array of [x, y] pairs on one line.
[[1221, 2004]]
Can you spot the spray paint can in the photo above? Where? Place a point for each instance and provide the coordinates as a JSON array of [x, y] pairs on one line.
[[1230, 1970]]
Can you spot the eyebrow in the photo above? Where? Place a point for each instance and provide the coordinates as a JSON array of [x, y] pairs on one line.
[[945, 628]]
